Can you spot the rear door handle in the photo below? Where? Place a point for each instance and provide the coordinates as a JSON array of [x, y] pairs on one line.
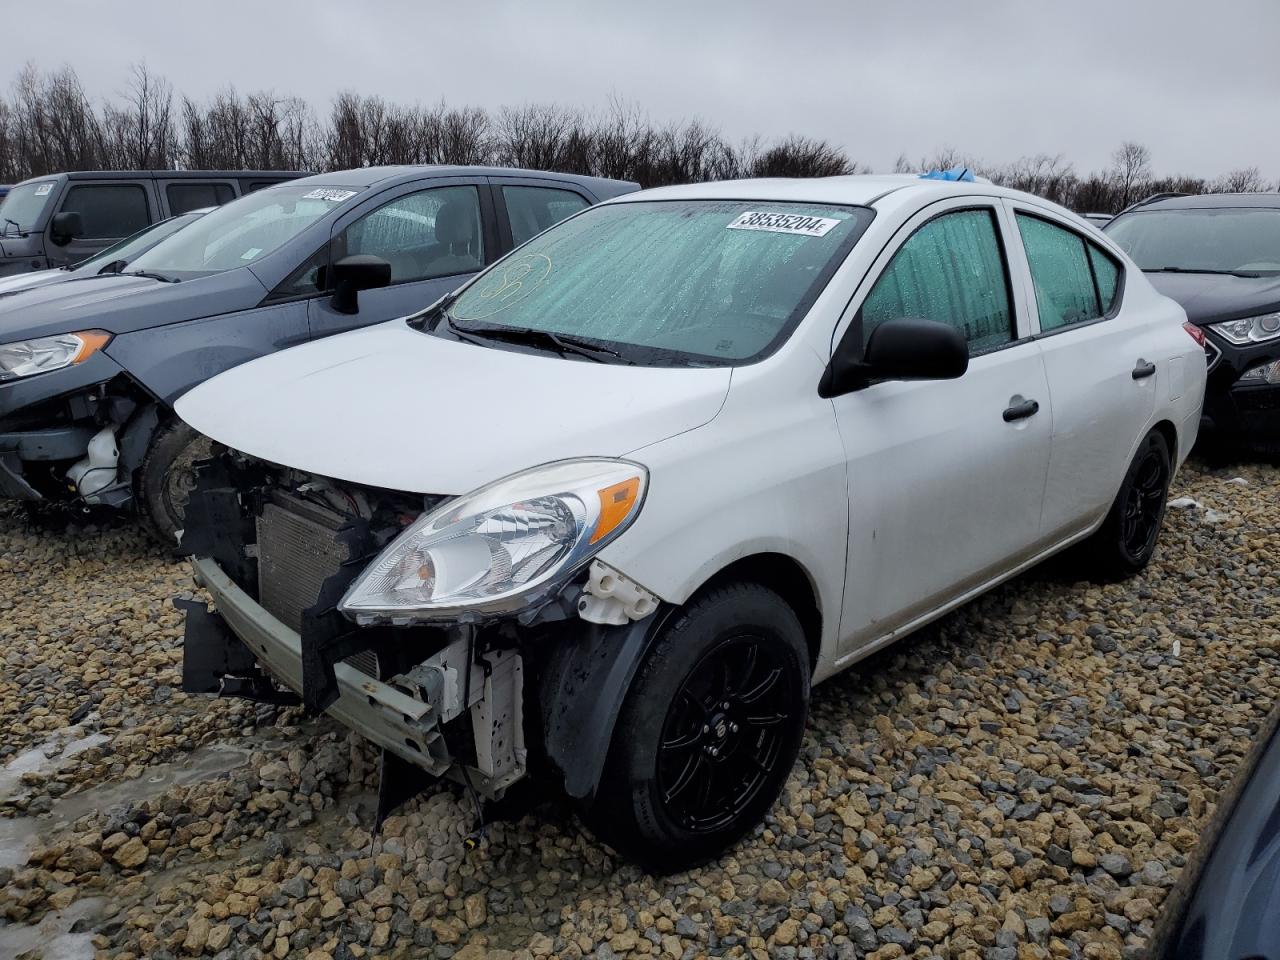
[[1020, 411], [1143, 370]]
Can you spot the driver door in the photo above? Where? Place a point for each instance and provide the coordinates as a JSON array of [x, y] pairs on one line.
[[946, 477], [435, 238]]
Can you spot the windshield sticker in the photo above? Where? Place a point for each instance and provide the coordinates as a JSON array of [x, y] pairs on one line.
[[251, 253], [44, 190], [329, 193], [801, 224]]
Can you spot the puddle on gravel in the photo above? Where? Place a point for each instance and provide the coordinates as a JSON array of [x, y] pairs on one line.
[[50, 756], [59, 936]]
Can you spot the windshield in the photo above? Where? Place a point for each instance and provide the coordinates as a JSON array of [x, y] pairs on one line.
[[142, 241], [1221, 240], [241, 232], [21, 208], [683, 281]]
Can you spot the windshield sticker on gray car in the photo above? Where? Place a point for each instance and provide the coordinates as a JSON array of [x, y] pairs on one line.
[[44, 190], [800, 224], [330, 194]]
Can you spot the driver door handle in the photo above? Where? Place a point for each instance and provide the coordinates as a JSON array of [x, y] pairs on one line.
[[1020, 411], [1143, 370]]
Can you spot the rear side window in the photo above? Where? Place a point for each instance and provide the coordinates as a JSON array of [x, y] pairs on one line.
[[950, 270], [532, 209], [1075, 281], [109, 210], [185, 197]]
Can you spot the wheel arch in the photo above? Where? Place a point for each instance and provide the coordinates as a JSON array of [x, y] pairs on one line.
[[787, 577], [1170, 433]]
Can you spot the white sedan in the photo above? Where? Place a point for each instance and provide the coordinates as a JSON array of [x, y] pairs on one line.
[[606, 514]]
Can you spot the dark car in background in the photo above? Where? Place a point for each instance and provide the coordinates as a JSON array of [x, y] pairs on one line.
[[61, 219], [111, 260], [1218, 255], [89, 370]]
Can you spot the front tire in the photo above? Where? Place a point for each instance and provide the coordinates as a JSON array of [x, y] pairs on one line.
[[166, 478], [709, 731], [1125, 543]]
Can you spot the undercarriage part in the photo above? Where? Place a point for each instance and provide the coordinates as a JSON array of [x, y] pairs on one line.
[[214, 660], [97, 469], [498, 722], [582, 687], [399, 781], [612, 598]]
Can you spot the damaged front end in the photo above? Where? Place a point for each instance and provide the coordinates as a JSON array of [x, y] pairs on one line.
[[384, 610]]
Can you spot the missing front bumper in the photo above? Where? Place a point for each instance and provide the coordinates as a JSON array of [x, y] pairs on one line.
[[410, 725]]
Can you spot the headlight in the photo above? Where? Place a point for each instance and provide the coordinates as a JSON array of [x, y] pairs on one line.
[[492, 549], [28, 357], [1249, 329], [1263, 373]]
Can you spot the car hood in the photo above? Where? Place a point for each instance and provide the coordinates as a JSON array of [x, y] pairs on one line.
[[119, 303], [29, 281], [394, 408], [1209, 297]]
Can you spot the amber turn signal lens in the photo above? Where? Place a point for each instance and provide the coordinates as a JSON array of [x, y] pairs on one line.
[[616, 503], [91, 342]]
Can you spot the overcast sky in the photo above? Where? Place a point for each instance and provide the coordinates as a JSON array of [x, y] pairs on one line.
[[1197, 83]]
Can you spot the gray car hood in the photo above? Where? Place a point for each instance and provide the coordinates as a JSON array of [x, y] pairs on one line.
[[121, 303]]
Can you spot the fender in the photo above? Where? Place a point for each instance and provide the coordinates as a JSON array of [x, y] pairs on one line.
[[582, 689]]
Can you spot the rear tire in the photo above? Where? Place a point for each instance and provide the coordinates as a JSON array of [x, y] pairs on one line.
[[1125, 543], [165, 479], [709, 731]]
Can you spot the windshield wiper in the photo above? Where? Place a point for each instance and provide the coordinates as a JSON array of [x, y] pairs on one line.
[[1222, 273], [15, 224], [145, 273], [562, 343]]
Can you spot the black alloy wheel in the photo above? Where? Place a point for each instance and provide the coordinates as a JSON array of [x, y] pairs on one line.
[[723, 734], [709, 730], [1126, 541]]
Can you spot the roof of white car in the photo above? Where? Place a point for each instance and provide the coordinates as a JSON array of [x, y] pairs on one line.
[[858, 189]]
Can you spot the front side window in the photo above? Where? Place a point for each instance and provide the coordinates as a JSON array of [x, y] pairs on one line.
[[242, 232], [108, 209], [432, 233], [676, 282], [22, 207], [1074, 281], [1241, 240], [950, 270], [533, 209]]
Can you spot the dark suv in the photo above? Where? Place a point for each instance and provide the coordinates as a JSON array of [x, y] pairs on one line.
[[65, 218], [90, 368], [1219, 256]]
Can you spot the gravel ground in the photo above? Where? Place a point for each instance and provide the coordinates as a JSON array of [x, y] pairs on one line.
[[1024, 780]]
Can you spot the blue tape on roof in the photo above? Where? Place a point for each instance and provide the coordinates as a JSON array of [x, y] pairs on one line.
[[963, 174]]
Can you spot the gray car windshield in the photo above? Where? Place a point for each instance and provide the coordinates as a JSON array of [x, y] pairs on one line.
[[242, 232], [1202, 240], [21, 209], [139, 243], [665, 282]]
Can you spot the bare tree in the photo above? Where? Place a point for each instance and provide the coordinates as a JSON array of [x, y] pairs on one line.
[[1131, 170], [1244, 180]]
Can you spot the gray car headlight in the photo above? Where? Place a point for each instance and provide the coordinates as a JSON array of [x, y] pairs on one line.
[[1248, 329], [29, 357], [491, 551]]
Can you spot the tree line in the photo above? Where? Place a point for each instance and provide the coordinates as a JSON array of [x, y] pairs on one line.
[[49, 123]]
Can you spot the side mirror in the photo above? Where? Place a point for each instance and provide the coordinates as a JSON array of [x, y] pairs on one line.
[[352, 274], [65, 227], [899, 350]]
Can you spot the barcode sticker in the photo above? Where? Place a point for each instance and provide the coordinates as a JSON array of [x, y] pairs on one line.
[[802, 224], [330, 194]]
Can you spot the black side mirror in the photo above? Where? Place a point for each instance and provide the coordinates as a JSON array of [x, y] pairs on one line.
[[65, 227], [352, 274], [898, 350]]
